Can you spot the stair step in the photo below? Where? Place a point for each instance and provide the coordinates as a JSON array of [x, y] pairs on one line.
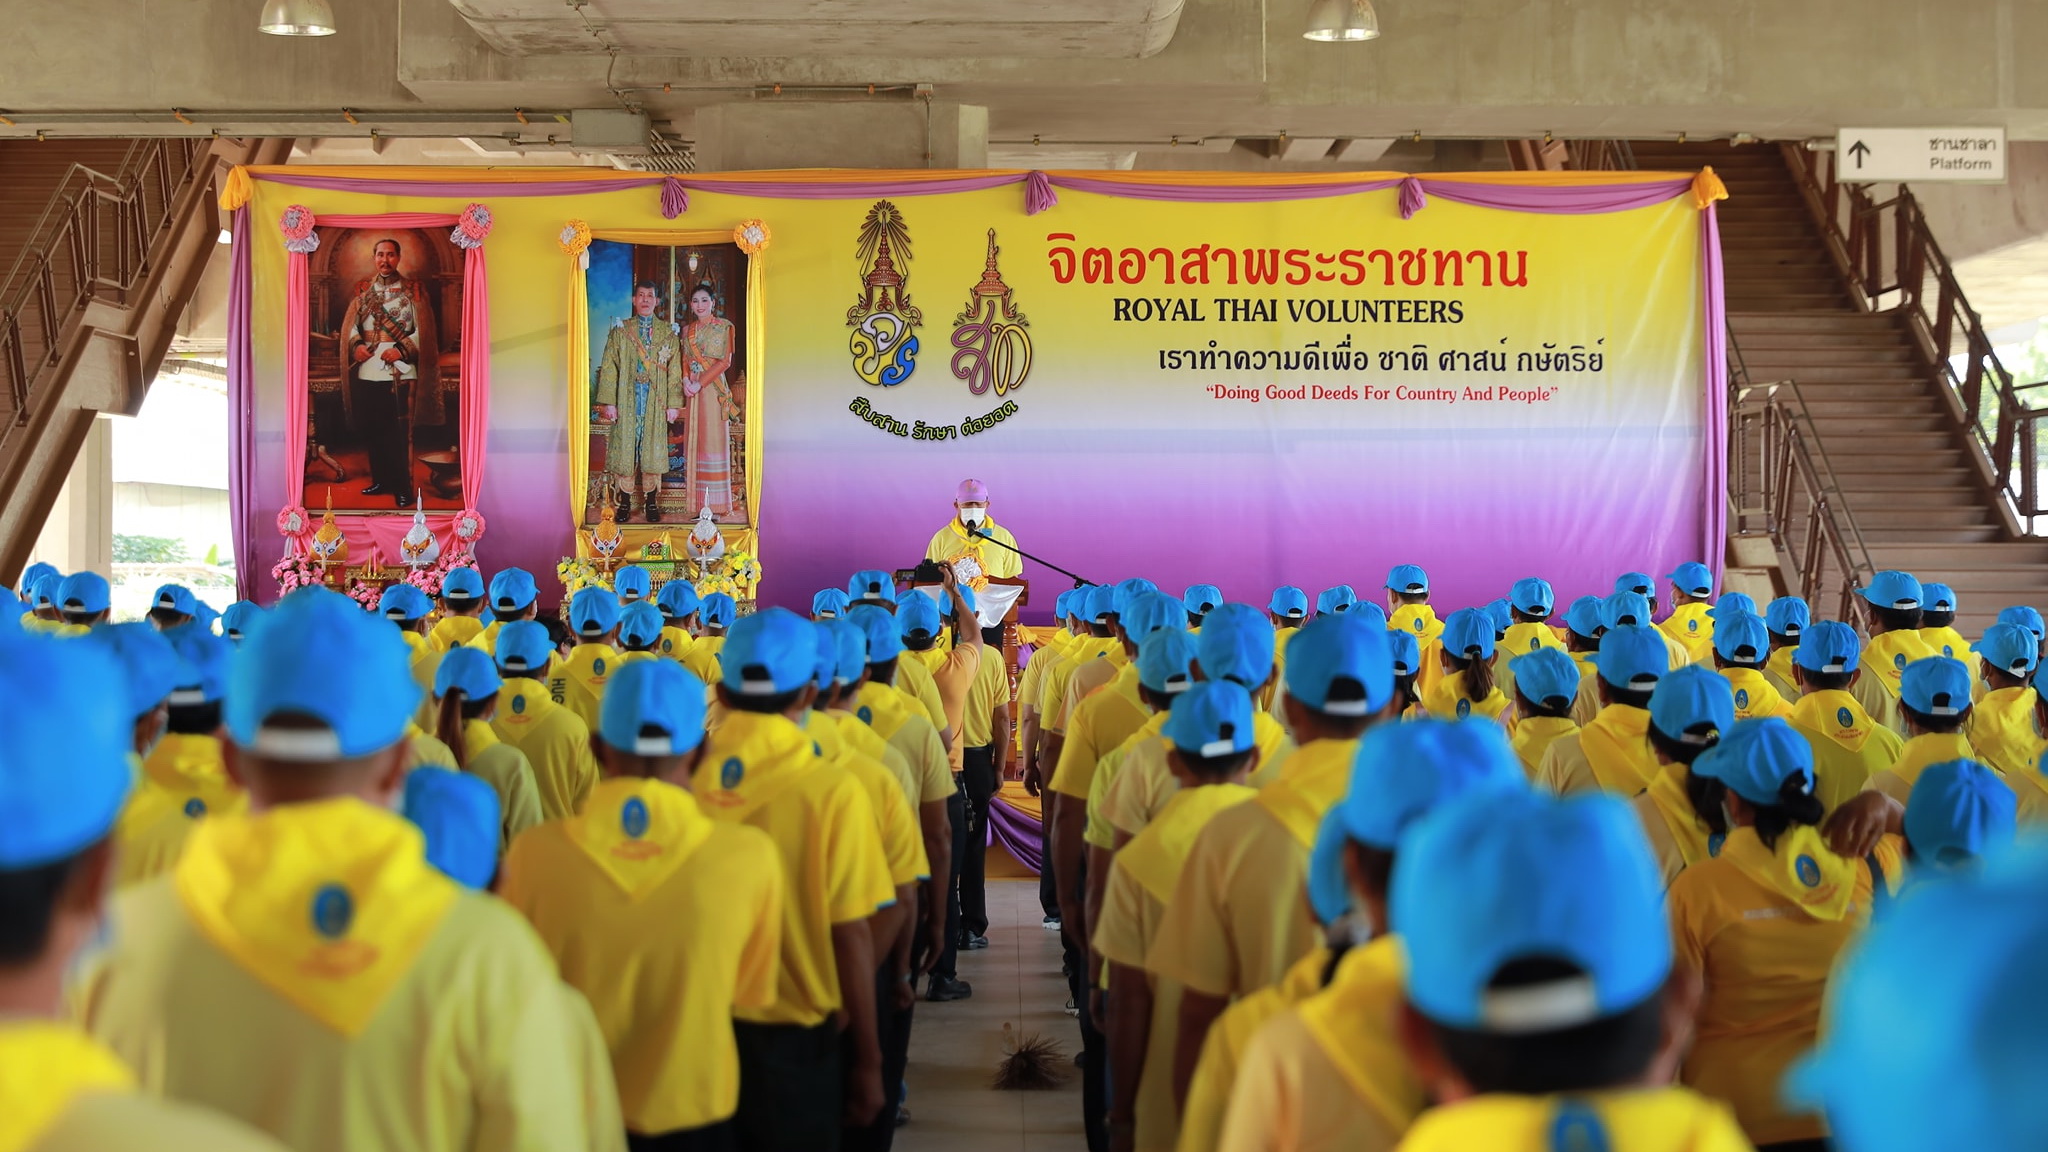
[[1879, 426], [1876, 353], [1866, 474], [1875, 536], [1970, 559], [1861, 497], [1761, 369], [1861, 322], [1899, 446]]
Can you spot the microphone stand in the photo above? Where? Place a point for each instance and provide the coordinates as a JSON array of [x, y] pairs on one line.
[[984, 534]]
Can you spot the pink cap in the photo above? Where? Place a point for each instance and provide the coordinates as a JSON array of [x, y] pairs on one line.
[[971, 492]]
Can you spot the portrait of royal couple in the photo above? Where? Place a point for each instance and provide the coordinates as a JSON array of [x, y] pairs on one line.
[[655, 375]]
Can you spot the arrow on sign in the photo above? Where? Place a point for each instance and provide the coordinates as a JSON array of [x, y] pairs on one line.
[[1859, 150]]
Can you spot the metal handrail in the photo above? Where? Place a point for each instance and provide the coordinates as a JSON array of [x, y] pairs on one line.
[[1798, 503]]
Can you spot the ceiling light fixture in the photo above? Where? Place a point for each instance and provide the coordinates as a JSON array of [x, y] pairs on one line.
[[297, 18], [1342, 21]]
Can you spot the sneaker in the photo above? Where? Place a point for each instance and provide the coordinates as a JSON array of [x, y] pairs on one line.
[[1050, 923], [1071, 1010], [972, 942], [902, 1116], [945, 988]]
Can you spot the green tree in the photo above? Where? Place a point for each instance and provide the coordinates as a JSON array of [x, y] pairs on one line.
[[149, 550]]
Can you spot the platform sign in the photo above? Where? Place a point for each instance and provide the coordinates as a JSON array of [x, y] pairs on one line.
[[1920, 155]]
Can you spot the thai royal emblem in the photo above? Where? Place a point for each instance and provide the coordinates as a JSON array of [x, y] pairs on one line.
[[883, 343], [991, 336]]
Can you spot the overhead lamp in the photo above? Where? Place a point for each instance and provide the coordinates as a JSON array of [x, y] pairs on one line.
[[1340, 21], [297, 18]]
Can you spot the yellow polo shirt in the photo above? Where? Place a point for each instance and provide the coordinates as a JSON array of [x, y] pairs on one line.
[[1533, 736], [2001, 729], [895, 820], [507, 771], [989, 691], [764, 771], [585, 671], [426, 660], [643, 853], [454, 632], [1778, 670], [1031, 684], [1919, 753], [1677, 837], [915, 680], [1052, 709], [1223, 1049], [61, 1092], [554, 739], [953, 672], [1143, 782], [1639, 1120], [1848, 746], [1239, 915], [1101, 829], [1097, 726], [896, 719], [1755, 698], [1611, 754], [702, 658], [184, 780]]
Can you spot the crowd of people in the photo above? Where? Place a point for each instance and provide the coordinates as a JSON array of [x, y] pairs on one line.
[[1639, 872]]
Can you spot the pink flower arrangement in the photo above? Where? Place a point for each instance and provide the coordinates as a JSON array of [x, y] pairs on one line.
[[293, 522], [430, 578], [472, 228], [296, 572], [469, 527], [364, 593], [297, 226]]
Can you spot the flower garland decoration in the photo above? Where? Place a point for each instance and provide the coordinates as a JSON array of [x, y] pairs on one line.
[[575, 240], [297, 226], [297, 572], [473, 226], [752, 236], [364, 593], [719, 581], [430, 578], [743, 568], [577, 574], [469, 527], [293, 521]]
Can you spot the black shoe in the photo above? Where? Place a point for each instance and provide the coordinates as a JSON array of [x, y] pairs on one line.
[[944, 988], [624, 504], [374, 490], [970, 942], [653, 509], [404, 501], [1050, 923]]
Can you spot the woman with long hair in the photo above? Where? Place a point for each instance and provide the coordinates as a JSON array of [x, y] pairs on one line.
[[1467, 687], [710, 408], [465, 698]]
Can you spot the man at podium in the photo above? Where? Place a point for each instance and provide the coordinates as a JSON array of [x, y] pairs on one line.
[[961, 539]]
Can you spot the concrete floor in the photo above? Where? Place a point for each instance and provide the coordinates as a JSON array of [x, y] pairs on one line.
[[955, 1048]]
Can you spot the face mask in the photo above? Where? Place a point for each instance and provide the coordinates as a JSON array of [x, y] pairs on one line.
[[973, 516]]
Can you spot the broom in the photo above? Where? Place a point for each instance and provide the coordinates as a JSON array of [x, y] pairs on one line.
[[1030, 1063]]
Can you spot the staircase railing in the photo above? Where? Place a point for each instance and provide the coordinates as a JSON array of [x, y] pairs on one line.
[[92, 243], [1783, 486], [1893, 263]]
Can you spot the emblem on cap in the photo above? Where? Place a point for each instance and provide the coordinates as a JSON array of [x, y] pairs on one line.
[[731, 773], [333, 911], [1807, 870], [633, 818]]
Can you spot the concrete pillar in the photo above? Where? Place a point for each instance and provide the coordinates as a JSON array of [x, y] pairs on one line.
[[79, 535], [872, 133]]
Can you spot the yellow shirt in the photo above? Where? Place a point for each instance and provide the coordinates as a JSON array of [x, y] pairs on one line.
[[1140, 881], [895, 718], [1091, 676], [1764, 928], [1848, 746], [1223, 1049], [427, 751], [1692, 630], [1754, 696], [1520, 640], [1420, 619], [675, 642], [766, 772], [869, 743], [583, 675], [1533, 736], [506, 770], [895, 820], [1239, 915], [916, 681], [990, 690], [2030, 789], [61, 1092], [1143, 782], [642, 853], [431, 1019], [1778, 670], [426, 660], [1030, 685], [1447, 699], [1886, 656], [1330, 1075], [1916, 757], [1053, 702], [1104, 720], [953, 673], [1611, 754], [2001, 729], [183, 781], [1644, 1120], [454, 632], [702, 658], [1102, 828], [1677, 837], [952, 541], [556, 743]]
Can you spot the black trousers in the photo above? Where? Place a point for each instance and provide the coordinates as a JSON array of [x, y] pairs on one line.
[[719, 1137], [893, 1027], [978, 778], [382, 427], [1048, 886], [792, 1087], [1094, 1045], [948, 886]]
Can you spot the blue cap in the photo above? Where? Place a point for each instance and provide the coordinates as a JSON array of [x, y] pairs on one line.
[[64, 746], [240, 618], [1959, 812], [1408, 579], [871, 586], [1368, 612], [1126, 589], [1236, 644], [2010, 648], [769, 653], [1732, 604], [829, 603], [1625, 608], [43, 589], [632, 583], [403, 602], [1829, 646], [1337, 599], [1532, 596], [1501, 875], [1212, 718], [1288, 602], [1339, 666], [1936, 686], [1148, 612], [1199, 598], [851, 645], [1935, 1020], [318, 655], [656, 707], [467, 670], [1468, 634], [204, 613], [718, 610], [1101, 604], [524, 648], [1585, 616], [917, 616], [1632, 657], [176, 598], [1788, 616], [878, 627], [824, 655], [36, 572], [1073, 603], [1755, 757], [150, 667], [2025, 617], [593, 612], [678, 600], [1163, 659], [1060, 604], [1690, 696], [1637, 582], [204, 660], [1546, 675], [1692, 578], [1894, 589], [640, 625], [83, 592], [458, 816], [1742, 639], [1404, 653], [512, 590], [1502, 614], [1937, 597], [462, 584]]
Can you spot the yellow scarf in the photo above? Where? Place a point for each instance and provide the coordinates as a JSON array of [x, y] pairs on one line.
[[1155, 856], [1522, 639], [1666, 1119], [1448, 700], [477, 738], [1947, 642], [1353, 1021], [2002, 729], [749, 761], [591, 665], [454, 632], [1928, 749], [1533, 736], [1754, 696], [44, 1067], [1888, 653], [1801, 870], [328, 903], [1836, 715], [1617, 747], [1667, 792], [1315, 777], [638, 831], [1779, 667], [188, 765], [881, 707]]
